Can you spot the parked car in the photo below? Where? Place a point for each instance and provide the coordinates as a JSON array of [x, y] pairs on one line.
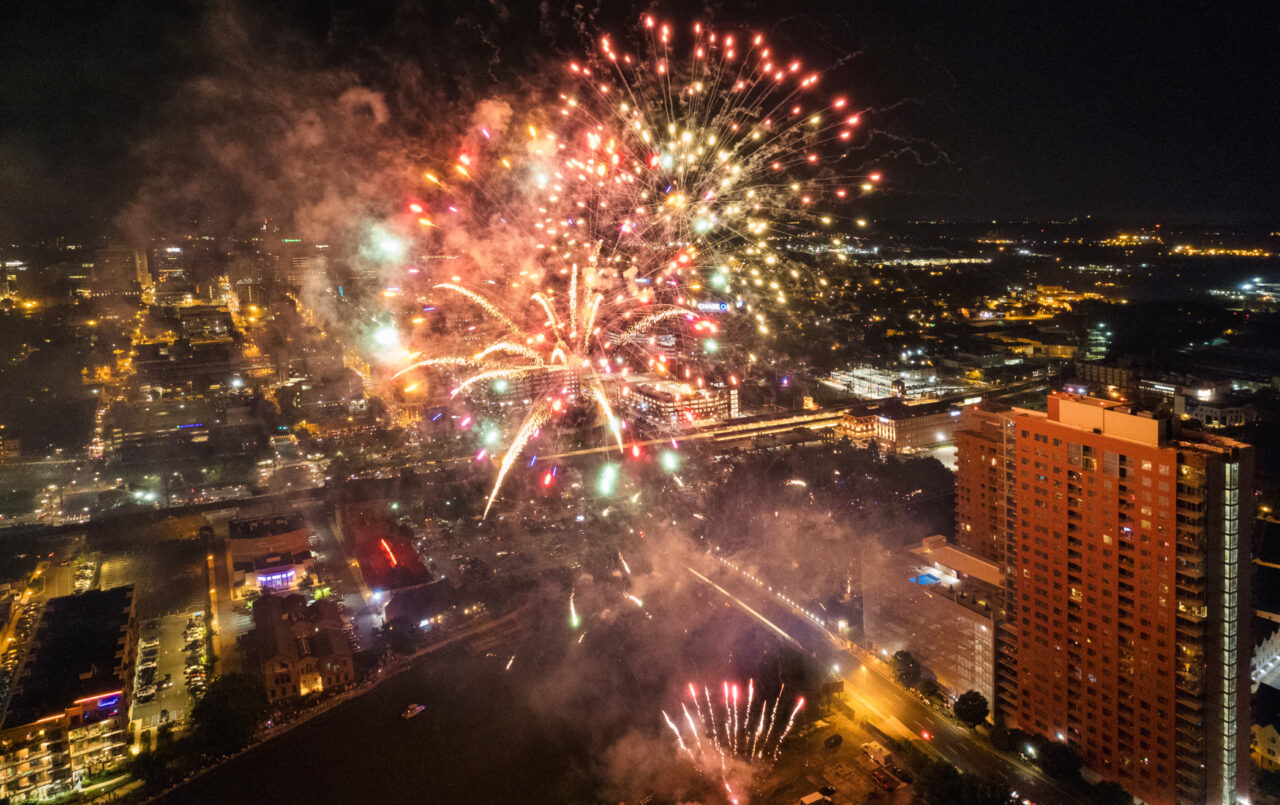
[[883, 779]]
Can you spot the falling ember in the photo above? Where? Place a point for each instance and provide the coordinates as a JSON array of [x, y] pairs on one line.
[[574, 620]]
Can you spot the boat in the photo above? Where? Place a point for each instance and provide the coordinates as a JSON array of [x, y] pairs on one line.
[[411, 711]]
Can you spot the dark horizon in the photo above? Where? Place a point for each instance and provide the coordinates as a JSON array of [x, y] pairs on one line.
[[1144, 112]]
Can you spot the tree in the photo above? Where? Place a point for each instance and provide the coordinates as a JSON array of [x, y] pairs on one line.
[[1269, 782], [905, 668], [928, 687], [401, 635], [1109, 793], [1001, 738], [971, 708], [228, 715], [1059, 761], [940, 783], [937, 783]]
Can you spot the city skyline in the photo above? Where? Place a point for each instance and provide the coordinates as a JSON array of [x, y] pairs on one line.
[[1011, 114], [520, 403]]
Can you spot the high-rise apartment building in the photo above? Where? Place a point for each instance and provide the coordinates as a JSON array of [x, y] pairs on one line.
[[1125, 542], [120, 268], [167, 263]]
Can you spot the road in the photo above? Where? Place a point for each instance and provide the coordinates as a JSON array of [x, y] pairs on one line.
[[870, 689]]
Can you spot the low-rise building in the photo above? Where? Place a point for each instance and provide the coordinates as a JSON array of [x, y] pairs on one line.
[[68, 716], [1222, 411], [299, 649], [10, 446], [943, 605], [270, 553], [910, 426], [668, 404], [1265, 737]]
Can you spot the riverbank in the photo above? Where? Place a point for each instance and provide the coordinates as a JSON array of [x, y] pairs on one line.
[[384, 673]]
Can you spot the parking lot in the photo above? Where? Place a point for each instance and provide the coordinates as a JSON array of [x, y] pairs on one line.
[[163, 642], [816, 761]]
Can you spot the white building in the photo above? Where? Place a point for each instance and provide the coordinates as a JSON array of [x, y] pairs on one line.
[[940, 603], [668, 404]]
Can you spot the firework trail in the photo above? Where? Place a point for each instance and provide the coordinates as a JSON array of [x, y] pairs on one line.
[[676, 730], [711, 720], [634, 600], [739, 741], [785, 732], [625, 566], [535, 419], [755, 736], [483, 303], [728, 720], [772, 720], [574, 620], [693, 728]]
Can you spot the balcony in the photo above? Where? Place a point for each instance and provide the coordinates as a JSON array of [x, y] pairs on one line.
[[1190, 630], [1191, 587], [1190, 569], [1190, 739], [1189, 549]]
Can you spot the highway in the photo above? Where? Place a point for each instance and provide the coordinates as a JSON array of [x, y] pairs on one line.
[[870, 690]]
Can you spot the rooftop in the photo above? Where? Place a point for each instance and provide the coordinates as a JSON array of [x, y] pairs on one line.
[[940, 553], [267, 526], [76, 654]]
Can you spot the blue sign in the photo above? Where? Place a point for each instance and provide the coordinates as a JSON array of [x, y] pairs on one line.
[[713, 307]]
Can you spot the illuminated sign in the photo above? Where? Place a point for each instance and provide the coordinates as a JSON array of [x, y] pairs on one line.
[[391, 557], [277, 581], [713, 307]]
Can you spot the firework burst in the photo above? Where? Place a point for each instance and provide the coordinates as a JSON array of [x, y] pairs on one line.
[[656, 183], [568, 358], [723, 151]]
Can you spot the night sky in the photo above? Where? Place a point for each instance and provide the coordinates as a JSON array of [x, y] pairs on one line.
[[1131, 111]]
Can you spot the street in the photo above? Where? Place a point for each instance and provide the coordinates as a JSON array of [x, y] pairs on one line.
[[869, 689]]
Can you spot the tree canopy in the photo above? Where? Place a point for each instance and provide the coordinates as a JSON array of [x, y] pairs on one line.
[[228, 715], [971, 708], [905, 668]]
